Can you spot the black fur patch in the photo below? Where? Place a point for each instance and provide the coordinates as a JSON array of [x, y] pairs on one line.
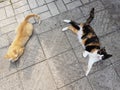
[[75, 25], [106, 56], [92, 40], [86, 30], [90, 18], [90, 48]]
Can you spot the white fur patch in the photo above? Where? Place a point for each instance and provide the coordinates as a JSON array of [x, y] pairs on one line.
[[64, 29], [93, 58], [67, 21], [80, 33], [10, 59], [90, 64], [85, 53]]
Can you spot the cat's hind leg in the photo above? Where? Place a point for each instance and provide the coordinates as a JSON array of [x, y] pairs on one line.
[[64, 29]]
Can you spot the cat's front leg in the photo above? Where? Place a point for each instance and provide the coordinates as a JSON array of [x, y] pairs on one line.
[[90, 64], [85, 54]]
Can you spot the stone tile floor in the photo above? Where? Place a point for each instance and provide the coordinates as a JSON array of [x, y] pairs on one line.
[[53, 59]]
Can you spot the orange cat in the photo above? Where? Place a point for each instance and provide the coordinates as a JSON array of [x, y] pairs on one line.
[[23, 33]]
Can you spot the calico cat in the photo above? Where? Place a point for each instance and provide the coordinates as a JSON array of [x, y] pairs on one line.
[[23, 33], [89, 40]]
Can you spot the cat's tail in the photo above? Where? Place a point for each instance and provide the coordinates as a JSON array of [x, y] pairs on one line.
[[90, 18], [32, 15], [73, 23]]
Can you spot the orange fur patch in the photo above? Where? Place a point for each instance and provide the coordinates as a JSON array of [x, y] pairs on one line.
[[72, 29], [23, 32]]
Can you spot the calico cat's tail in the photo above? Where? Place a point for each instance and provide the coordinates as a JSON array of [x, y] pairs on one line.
[[73, 23], [90, 18]]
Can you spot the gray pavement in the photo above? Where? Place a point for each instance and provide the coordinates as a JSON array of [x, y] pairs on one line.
[[53, 59]]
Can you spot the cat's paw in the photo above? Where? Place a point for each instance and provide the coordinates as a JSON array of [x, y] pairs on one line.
[[86, 73], [85, 54], [67, 21], [64, 29]]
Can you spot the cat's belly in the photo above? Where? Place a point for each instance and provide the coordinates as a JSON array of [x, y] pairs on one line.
[[80, 33]]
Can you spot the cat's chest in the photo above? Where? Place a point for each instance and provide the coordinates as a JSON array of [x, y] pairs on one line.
[[80, 34]]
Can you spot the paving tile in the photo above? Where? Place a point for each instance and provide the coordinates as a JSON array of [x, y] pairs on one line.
[[45, 15], [33, 54], [111, 43], [113, 8], [67, 1], [0, 32], [60, 5], [4, 40], [22, 9], [44, 80], [40, 2], [19, 4], [111, 4], [8, 28], [47, 24], [40, 9], [48, 1], [33, 4], [57, 21], [81, 84], [84, 61], [106, 79], [96, 4], [85, 1], [9, 11], [103, 23], [6, 68], [76, 14], [20, 17], [2, 15], [92, 0], [74, 4], [13, 1], [11, 36], [5, 3], [65, 68], [116, 66], [7, 21], [11, 83], [53, 8], [54, 42]]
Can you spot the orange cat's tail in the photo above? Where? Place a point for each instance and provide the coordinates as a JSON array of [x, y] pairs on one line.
[[31, 15]]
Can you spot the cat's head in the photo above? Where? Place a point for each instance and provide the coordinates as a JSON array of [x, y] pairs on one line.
[[13, 54], [104, 54]]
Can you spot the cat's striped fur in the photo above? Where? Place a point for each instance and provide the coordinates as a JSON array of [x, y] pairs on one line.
[[89, 40]]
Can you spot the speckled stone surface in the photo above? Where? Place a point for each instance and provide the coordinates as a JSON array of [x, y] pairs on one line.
[[53, 59]]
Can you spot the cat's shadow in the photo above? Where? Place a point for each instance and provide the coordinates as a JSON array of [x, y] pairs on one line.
[[14, 65]]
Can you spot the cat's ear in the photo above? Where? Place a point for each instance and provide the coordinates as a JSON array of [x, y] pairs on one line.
[[103, 49], [109, 55], [106, 56]]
